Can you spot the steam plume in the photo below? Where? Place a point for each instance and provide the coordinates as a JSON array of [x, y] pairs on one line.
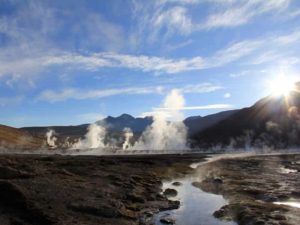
[[51, 139], [128, 136], [167, 132], [94, 138]]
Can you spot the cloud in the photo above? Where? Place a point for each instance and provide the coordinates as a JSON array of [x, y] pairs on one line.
[[202, 107], [265, 57], [81, 94], [158, 20], [237, 13], [200, 88], [288, 38], [96, 61], [167, 111], [32, 63], [174, 20]]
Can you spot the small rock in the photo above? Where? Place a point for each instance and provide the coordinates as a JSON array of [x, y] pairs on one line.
[[176, 184], [136, 198], [218, 180], [167, 220], [219, 214], [102, 210], [170, 192]]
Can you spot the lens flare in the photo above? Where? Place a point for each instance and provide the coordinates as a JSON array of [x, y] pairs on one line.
[[281, 85]]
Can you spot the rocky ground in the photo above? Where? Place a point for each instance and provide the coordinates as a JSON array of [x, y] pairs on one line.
[[252, 184], [127, 189], [57, 189]]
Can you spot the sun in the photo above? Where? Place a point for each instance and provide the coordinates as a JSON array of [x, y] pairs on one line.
[[281, 85]]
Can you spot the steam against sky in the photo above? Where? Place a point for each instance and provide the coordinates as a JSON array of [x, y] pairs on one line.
[[71, 62]]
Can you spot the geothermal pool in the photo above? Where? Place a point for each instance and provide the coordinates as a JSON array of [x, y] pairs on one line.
[[195, 204]]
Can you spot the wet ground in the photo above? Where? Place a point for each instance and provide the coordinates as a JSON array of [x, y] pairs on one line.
[[58, 189], [128, 189], [195, 204], [254, 186]]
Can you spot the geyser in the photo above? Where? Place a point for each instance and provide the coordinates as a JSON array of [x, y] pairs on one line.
[[51, 139], [167, 132], [128, 134], [93, 139]]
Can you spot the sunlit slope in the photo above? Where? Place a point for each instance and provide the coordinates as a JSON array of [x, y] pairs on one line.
[[13, 138], [273, 121]]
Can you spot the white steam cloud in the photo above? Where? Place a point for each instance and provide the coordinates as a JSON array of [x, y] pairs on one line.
[[128, 134], [51, 139], [94, 138], [167, 132]]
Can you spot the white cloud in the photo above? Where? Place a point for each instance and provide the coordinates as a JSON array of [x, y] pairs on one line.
[[167, 112], [237, 13], [94, 62], [202, 107], [80, 94], [265, 57], [200, 88], [174, 19], [28, 64], [288, 38]]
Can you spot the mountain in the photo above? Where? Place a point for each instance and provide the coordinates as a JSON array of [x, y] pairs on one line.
[[137, 125], [13, 138], [113, 124], [271, 122], [62, 131], [197, 123]]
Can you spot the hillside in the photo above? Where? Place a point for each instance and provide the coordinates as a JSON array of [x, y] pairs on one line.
[[271, 122], [13, 138], [198, 123]]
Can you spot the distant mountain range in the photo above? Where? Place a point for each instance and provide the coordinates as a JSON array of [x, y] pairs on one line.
[[113, 124], [137, 125], [271, 122]]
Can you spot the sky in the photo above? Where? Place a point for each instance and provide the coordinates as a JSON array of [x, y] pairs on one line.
[[68, 62]]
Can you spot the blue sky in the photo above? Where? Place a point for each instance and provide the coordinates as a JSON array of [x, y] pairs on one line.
[[72, 62]]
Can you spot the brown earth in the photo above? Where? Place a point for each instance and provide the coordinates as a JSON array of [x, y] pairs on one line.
[[127, 189], [86, 189], [13, 138], [252, 184]]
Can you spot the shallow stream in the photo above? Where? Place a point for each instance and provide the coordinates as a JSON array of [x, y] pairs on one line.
[[196, 206]]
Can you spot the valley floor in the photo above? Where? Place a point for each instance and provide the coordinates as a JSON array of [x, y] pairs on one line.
[[127, 189]]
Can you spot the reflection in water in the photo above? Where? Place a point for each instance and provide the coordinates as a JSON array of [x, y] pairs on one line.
[[196, 206], [287, 171], [291, 203]]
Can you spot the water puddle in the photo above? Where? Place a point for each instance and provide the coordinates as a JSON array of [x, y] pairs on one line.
[[287, 171], [289, 203], [196, 206]]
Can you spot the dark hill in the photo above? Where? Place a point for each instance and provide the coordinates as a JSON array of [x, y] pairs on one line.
[[272, 121], [197, 123]]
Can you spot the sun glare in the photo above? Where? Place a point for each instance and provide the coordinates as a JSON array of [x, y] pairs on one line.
[[281, 85]]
